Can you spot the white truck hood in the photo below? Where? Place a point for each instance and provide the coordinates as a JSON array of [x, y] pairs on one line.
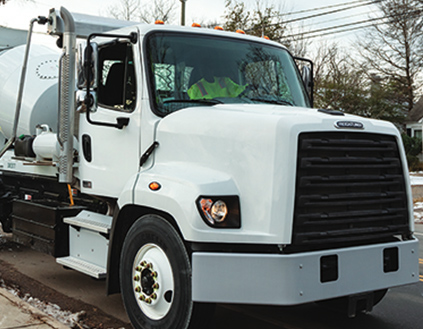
[[255, 147]]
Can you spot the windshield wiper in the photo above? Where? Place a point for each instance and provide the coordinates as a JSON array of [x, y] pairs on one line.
[[272, 101], [202, 101]]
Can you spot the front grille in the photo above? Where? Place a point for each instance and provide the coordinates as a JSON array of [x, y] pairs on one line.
[[350, 190]]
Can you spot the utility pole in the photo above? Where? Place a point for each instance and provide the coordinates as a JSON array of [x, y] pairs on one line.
[[183, 12]]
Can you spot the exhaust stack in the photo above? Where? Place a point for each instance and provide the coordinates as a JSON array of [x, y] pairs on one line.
[[66, 98]]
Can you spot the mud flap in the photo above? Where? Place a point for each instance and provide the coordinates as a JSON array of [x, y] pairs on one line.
[[360, 303]]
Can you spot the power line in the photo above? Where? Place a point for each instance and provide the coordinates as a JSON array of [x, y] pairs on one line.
[[331, 12], [338, 19], [337, 32], [409, 15], [367, 3], [335, 27], [321, 8]]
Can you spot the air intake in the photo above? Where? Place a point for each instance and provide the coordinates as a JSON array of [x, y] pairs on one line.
[[350, 190]]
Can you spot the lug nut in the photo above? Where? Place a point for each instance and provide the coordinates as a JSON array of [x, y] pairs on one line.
[[153, 296], [143, 263], [156, 286], [136, 278], [142, 298], [138, 269], [148, 300], [137, 289], [154, 274]]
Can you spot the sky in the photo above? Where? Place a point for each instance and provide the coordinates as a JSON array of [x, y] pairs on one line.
[[18, 13]]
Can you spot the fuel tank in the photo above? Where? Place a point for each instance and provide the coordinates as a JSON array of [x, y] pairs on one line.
[[40, 96]]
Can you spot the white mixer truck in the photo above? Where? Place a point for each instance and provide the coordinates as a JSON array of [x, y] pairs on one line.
[[188, 167]]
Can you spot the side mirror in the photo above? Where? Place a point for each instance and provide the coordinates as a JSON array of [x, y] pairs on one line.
[[87, 65], [307, 76], [307, 79]]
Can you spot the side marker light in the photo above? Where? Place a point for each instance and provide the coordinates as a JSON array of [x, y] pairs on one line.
[[154, 186]]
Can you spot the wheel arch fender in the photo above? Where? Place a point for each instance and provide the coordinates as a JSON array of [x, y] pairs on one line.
[[180, 186], [122, 223]]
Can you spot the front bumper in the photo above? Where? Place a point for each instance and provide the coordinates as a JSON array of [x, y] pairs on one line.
[[276, 279]]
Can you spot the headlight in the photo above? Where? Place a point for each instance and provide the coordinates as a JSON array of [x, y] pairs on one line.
[[220, 211]]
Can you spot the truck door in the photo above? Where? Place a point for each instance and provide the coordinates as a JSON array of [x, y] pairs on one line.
[[109, 156]]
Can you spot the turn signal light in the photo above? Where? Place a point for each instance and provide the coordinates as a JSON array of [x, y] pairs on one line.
[[195, 25], [159, 22], [154, 186]]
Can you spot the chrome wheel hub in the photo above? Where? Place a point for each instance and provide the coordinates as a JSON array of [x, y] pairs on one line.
[[153, 281]]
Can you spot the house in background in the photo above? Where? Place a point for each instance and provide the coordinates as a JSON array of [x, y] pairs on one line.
[[414, 122]]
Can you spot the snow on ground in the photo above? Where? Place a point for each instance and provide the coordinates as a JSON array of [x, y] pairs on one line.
[[416, 178], [418, 212], [66, 317]]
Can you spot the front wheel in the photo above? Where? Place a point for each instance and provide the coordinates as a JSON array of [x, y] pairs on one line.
[[155, 278]]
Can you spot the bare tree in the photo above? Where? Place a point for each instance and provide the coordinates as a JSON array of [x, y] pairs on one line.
[[341, 83], [263, 20], [135, 10], [338, 84], [127, 10], [297, 44], [164, 10], [394, 50]]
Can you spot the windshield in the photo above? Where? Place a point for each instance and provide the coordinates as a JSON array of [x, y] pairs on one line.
[[195, 70]]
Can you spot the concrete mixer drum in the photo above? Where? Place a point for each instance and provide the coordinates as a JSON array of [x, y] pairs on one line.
[[40, 100]]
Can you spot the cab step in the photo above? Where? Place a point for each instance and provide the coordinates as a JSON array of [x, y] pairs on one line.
[[88, 243], [91, 221], [82, 266]]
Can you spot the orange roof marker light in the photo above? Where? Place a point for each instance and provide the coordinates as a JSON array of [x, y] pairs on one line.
[[266, 37], [218, 28], [240, 31], [195, 25], [159, 22]]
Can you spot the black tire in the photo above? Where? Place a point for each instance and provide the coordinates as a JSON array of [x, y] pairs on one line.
[[153, 299]]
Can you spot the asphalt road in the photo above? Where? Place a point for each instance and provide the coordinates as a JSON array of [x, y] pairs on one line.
[[401, 308]]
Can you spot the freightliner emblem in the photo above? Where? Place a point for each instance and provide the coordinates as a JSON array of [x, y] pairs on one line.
[[349, 125]]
